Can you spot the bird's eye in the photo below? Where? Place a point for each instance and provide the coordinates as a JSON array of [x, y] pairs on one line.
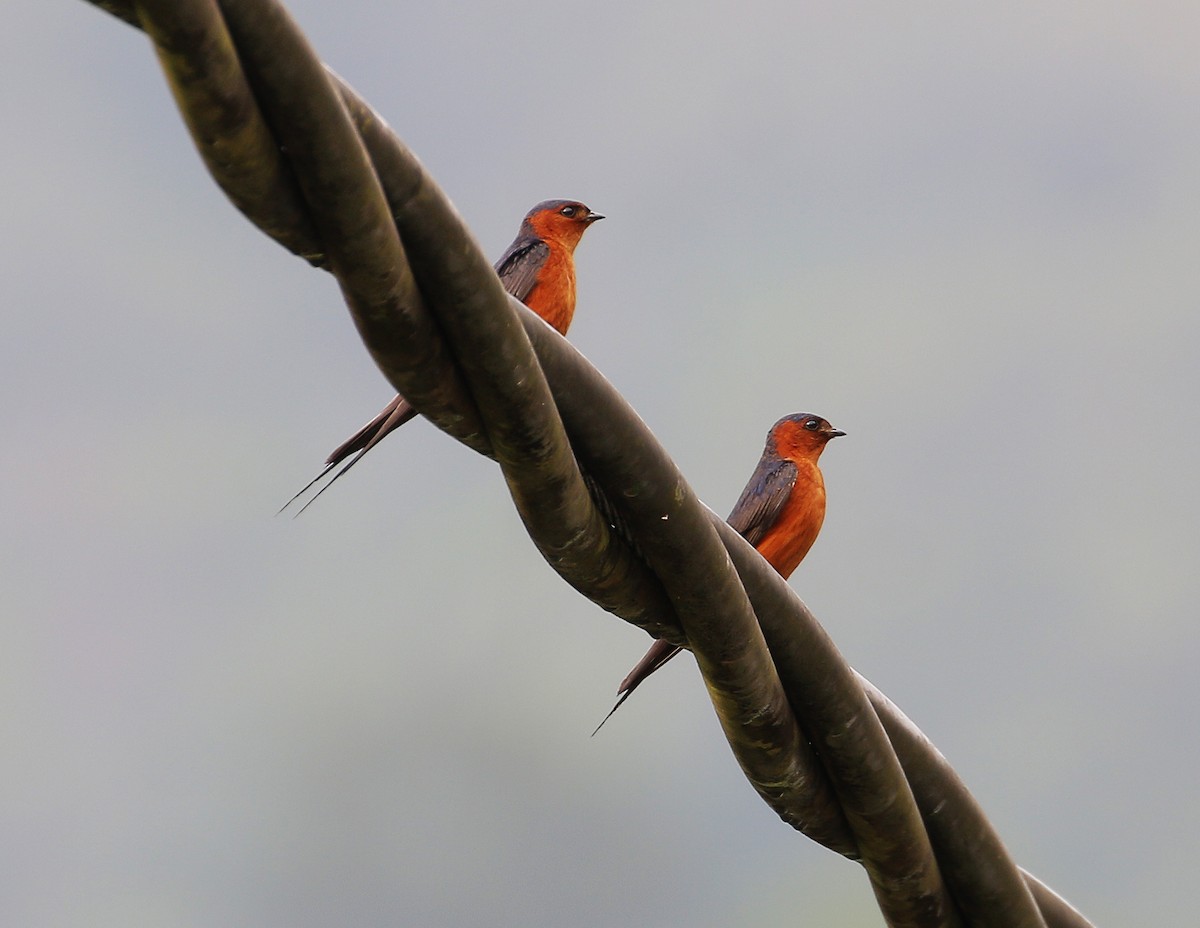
[[568, 211], [812, 424]]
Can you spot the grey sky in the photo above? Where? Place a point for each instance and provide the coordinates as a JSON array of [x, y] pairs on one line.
[[966, 236]]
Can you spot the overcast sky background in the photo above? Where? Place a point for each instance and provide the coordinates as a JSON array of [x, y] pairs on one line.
[[966, 235]]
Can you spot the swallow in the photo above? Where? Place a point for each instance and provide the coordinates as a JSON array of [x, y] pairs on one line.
[[538, 268], [780, 512]]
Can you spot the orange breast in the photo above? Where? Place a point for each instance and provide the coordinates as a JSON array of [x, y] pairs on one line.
[[788, 540], [553, 296]]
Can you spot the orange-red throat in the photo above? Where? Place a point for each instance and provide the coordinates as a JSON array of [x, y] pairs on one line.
[[560, 224], [802, 438]]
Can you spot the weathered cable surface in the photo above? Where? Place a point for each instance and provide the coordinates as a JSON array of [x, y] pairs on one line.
[[521, 419], [443, 322], [227, 123], [342, 196]]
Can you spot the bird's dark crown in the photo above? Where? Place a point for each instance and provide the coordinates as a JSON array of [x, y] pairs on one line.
[[568, 209]]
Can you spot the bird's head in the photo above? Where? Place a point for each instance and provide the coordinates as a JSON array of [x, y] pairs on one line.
[[801, 436], [562, 220]]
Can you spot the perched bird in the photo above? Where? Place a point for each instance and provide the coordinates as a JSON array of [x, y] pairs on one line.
[[538, 268], [780, 512]]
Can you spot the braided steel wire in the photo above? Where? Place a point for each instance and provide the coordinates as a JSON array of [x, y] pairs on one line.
[[825, 749]]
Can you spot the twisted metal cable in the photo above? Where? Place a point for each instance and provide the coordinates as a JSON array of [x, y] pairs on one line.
[[318, 170]]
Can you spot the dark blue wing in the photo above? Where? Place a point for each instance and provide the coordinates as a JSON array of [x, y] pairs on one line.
[[763, 499], [518, 267]]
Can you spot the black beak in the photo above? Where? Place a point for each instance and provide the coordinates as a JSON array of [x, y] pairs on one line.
[[593, 217], [835, 433]]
